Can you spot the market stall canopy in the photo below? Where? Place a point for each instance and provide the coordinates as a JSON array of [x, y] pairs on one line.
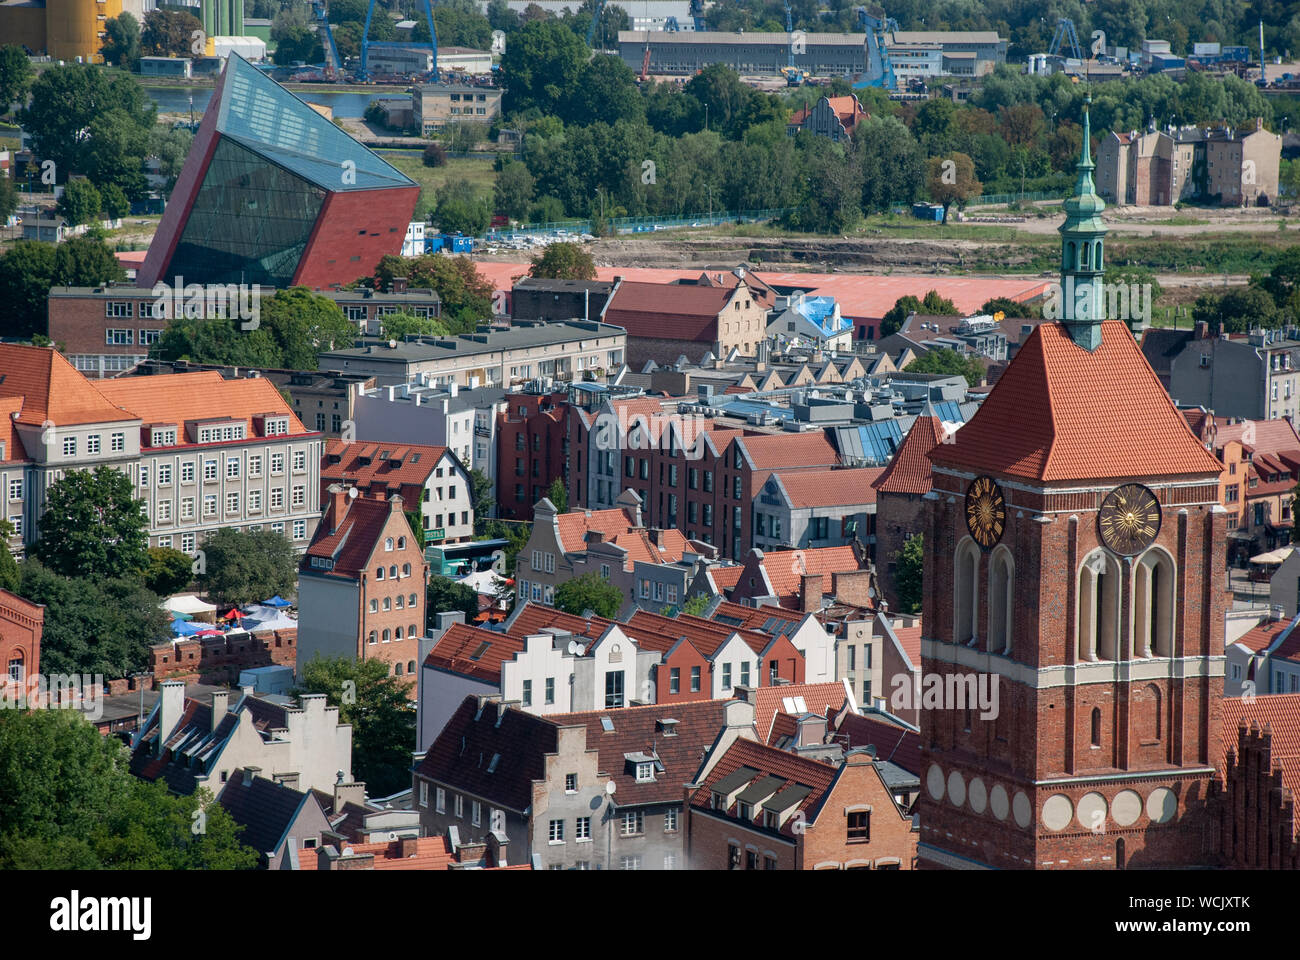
[[276, 601], [188, 603], [1273, 556]]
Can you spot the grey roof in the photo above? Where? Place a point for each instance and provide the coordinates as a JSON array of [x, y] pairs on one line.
[[563, 286], [895, 777], [791, 796], [517, 337], [733, 781], [420, 294], [265, 809], [760, 789]]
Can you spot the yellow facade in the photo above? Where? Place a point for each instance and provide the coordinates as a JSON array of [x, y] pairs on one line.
[[23, 25], [64, 29]]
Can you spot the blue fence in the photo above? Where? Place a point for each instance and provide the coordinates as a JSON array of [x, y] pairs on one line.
[[996, 199], [644, 224]]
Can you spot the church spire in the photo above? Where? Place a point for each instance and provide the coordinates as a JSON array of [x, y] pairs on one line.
[[1082, 262]]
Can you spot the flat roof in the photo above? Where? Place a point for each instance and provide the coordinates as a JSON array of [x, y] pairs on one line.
[[468, 345], [757, 38]]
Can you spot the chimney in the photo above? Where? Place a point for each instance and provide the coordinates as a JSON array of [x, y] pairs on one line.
[[398, 285], [810, 592], [344, 793], [172, 705], [338, 505], [408, 847], [250, 774], [1202, 330], [220, 704], [748, 694], [454, 388]]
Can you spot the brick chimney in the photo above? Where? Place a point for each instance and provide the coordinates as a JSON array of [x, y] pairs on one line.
[[171, 706], [338, 505], [810, 592], [408, 847], [398, 285], [348, 793]]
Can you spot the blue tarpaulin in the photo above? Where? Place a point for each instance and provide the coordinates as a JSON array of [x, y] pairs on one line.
[[277, 601]]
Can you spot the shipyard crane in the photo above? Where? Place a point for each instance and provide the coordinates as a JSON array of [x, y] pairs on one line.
[[1065, 32], [333, 64], [366, 44], [793, 76], [880, 69]]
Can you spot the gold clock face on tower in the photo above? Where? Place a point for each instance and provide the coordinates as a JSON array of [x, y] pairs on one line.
[[986, 511], [1129, 519]]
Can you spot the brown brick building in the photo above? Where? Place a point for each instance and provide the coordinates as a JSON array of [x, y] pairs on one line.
[[532, 451], [20, 637]]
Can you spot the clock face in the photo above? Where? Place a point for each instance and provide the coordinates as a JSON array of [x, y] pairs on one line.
[[1129, 519], [986, 512]]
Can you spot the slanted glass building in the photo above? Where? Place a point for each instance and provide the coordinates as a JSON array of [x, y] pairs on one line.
[[274, 193]]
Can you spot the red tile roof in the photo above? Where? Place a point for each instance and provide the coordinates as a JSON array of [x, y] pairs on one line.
[[786, 568], [13, 442], [823, 699], [725, 578], [50, 388], [456, 648], [575, 524], [353, 541], [1266, 436], [909, 470], [896, 744], [1280, 712], [1060, 412], [847, 109], [405, 464], [680, 312], [652, 631], [431, 853], [1261, 637], [179, 397], [640, 545], [828, 488], [909, 638], [754, 618], [776, 450], [778, 763]]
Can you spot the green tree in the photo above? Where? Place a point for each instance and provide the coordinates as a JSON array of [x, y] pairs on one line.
[[169, 33], [218, 341], [9, 573], [558, 494], [897, 315], [589, 592], [909, 573], [606, 92], [1009, 308], [466, 296], [92, 526], [80, 203], [416, 521], [435, 155], [398, 326], [513, 191], [114, 202], [69, 801], [460, 209], [443, 594], [481, 490], [382, 719], [893, 163], [564, 261], [463, 137], [237, 567], [302, 324], [949, 363], [696, 605], [171, 147], [8, 198], [16, 75], [122, 41], [26, 275], [937, 306], [168, 571], [951, 180], [540, 67], [1238, 311], [94, 625]]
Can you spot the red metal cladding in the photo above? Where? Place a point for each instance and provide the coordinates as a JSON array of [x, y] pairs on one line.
[[353, 231]]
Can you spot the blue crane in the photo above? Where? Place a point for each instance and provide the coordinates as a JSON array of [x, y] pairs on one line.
[[595, 21], [366, 43], [1065, 32], [333, 65], [880, 69]]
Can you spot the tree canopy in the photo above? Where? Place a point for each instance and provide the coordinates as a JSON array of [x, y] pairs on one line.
[[563, 261], [239, 567], [92, 525], [589, 592]]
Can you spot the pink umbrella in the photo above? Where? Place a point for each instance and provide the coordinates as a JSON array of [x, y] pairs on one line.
[[209, 633]]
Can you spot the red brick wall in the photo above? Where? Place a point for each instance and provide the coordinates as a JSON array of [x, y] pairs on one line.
[[826, 839], [396, 651], [551, 430], [77, 324], [898, 517], [21, 623], [683, 659], [220, 659], [1256, 816]]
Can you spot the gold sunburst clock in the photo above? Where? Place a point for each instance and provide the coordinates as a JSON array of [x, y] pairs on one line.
[[986, 511], [1129, 519]]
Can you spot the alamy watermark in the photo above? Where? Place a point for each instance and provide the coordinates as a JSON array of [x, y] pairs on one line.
[[55, 691], [213, 301], [946, 691], [640, 432], [1097, 301]]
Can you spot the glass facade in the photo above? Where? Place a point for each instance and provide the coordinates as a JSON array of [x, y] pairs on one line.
[[250, 221]]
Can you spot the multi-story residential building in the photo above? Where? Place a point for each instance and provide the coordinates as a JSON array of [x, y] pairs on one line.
[[548, 559], [1252, 376], [583, 791], [107, 330], [662, 323], [203, 452], [489, 357], [361, 584], [833, 117], [429, 479], [532, 437], [796, 579], [549, 300], [20, 639], [319, 399], [434, 105], [815, 322], [754, 807], [462, 419], [188, 744], [817, 508]]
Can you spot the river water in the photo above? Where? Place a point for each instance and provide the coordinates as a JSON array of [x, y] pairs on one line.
[[177, 99]]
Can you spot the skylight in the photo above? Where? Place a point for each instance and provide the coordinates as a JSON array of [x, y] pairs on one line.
[[482, 649]]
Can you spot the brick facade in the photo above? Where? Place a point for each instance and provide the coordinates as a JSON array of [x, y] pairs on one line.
[[218, 660], [20, 637], [532, 451], [899, 516]]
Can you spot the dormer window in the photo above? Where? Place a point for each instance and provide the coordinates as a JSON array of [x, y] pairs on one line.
[[645, 772], [162, 437], [276, 426]]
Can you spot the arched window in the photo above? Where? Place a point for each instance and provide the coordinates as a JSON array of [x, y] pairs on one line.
[[1096, 726], [410, 667], [15, 671], [392, 572], [1071, 257], [398, 634], [401, 543], [406, 569], [1084, 256], [397, 670], [1098, 603], [412, 632], [1153, 605], [373, 638], [1096, 256], [1147, 716], [1002, 576], [966, 584], [388, 604], [398, 601], [387, 636], [388, 544], [411, 601], [379, 573]]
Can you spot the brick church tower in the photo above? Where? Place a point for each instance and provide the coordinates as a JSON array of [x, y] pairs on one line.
[[1075, 549]]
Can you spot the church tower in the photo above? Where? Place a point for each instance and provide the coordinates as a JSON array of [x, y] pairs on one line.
[[1082, 256], [1074, 557]]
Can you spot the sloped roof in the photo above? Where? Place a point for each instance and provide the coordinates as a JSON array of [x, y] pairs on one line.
[[353, 541], [431, 853], [532, 618], [772, 451], [786, 568], [653, 631], [463, 751], [679, 312], [909, 469], [456, 648], [1267, 436], [179, 397], [1060, 412], [1260, 638], [265, 809], [830, 488], [893, 743], [909, 638], [51, 388], [392, 464], [820, 698], [575, 525], [1280, 713], [14, 450], [790, 767]]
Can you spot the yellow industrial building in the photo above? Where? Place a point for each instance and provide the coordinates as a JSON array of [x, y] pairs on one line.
[[63, 29]]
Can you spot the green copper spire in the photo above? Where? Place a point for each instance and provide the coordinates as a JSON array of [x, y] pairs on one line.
[[1081, 303]]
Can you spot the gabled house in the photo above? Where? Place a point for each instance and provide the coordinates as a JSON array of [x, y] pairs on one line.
[[833, 117], [800, 320], [754, 807], [361, 584], [817, 508], [664, 321], [284, 825], [188, 744], [797, 579]]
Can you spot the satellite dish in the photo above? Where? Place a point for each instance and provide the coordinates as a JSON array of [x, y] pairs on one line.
[[611, 787], [352, 493], [574, 648]]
